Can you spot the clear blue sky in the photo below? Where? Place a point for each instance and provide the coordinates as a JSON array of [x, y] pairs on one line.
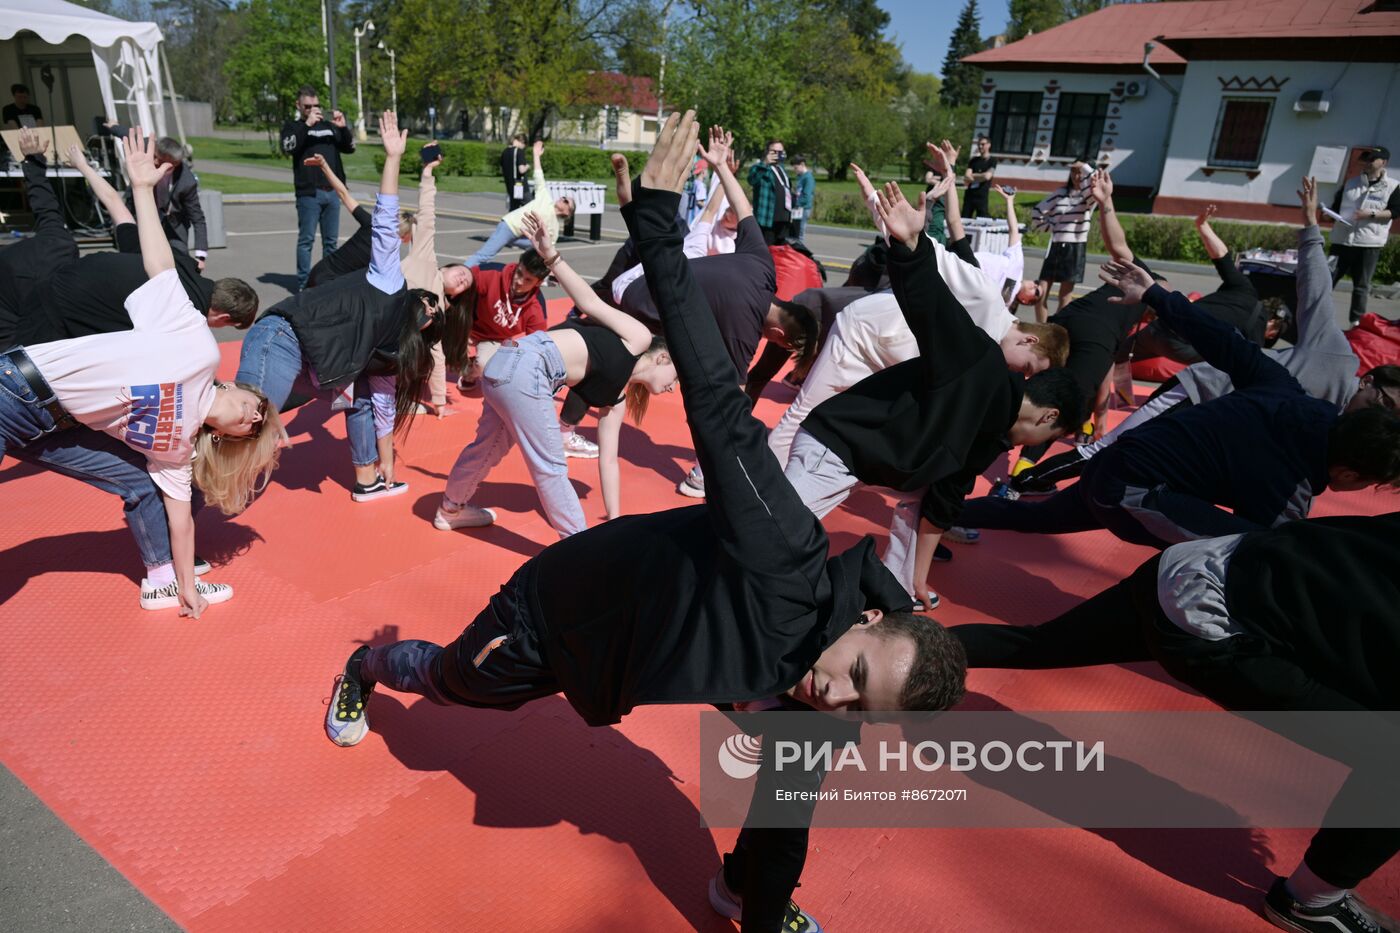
[[923, 27]]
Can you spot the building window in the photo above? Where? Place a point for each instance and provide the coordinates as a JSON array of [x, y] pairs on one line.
[[650, 126], [612, 122], [1014, 116], [1079, 126], [1239, 131]]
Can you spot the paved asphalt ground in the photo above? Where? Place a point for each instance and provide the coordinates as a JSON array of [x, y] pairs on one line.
[[49, 878]]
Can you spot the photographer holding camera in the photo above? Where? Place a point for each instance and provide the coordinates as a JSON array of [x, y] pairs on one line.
[[311, 134]]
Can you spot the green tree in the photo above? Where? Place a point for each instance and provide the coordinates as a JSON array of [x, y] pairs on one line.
[[960, 80], [733, 62], [1030, 16], [279, 50], [635, 39]]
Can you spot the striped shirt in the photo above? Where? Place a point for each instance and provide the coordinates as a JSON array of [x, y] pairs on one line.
[[1065, 213]]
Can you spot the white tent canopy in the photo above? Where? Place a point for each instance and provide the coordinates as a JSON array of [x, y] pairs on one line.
[[125, 54]]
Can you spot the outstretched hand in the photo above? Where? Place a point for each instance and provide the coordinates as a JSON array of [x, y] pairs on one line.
[[31, 143], [622, 176], [537, 148], [1101, 188], [1009, 195], [395, 140], [670, 161], [141, 167], [902, 220], [1130, 279], [941, 165], [950, 152], [76, 156], [1307, 199], [721, 145], [539, 236], [939, 189], [1204, 216]]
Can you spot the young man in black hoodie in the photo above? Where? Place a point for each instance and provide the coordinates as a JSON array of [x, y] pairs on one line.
[[729, 602], [929, 425], [1264, 450], [1299, 617]]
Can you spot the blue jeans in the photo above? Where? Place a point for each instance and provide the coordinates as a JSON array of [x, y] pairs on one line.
[[271, 360], [500, 238], [799, 227], [517, 390], [27, 434], [324, 210]]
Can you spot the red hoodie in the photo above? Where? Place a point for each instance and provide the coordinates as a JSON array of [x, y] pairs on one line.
[[500, 316]]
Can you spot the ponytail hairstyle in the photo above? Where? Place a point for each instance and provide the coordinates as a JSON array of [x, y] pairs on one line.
[[457, 325], [415, 357], [637, 395]]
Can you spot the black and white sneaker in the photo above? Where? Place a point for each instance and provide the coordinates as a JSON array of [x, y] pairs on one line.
[[377, 490], [168, 596], [346, 719], [201, 566], [928, 603], [1345, 916], [942, 554]]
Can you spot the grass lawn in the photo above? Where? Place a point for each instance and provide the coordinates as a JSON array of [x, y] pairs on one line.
[[233, 184]]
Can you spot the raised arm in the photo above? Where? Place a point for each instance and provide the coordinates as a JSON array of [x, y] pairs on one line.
[[48, 214], [1101, 190], [1317, 315], [344, 139], [1219, 344], [144, 174], [1013, 226], [334, 181], [952, 210], [106, 195], [385, 273], [536, 153], [721, 144], [633, 332], [757, 517], [425, 227], [1215, 247], [949, 342]]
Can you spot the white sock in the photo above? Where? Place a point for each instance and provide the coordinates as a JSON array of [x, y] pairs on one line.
[[1311, 891], [161, 574]]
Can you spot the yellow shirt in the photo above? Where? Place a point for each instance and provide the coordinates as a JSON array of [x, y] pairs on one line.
[[542, 205]]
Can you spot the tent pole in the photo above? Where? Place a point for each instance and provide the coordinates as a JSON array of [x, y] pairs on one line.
[[174, 100]]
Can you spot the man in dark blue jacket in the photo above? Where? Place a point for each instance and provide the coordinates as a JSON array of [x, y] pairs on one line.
[[1263, 451]]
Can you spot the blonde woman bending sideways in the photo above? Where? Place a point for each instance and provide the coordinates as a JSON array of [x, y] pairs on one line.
[[153, 389], [608, 360]]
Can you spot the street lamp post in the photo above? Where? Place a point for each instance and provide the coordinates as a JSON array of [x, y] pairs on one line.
[[393, 76], [366, 27]]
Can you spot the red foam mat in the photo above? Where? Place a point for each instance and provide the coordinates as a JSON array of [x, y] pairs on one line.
[[191, 756]]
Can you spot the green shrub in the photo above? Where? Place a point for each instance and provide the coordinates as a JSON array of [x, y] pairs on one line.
[[846, 210], [565, 163]]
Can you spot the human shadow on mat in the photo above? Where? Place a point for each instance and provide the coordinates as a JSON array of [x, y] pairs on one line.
[[551, 768], [1230, 862], [637, 448], [111, 551]]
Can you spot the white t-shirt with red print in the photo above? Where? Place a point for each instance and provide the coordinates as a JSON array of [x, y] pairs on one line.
[[150, 387]]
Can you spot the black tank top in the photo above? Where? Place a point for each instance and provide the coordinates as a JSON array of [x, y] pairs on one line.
[[610, 365]]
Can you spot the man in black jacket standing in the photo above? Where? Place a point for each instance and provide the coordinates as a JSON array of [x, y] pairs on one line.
[[514, 173], [310, 134], [733, 601]]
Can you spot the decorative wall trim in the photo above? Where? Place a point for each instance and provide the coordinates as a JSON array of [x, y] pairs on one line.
[[1266, 85]]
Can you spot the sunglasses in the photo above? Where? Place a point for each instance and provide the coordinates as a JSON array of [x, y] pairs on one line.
[[1383, 398]]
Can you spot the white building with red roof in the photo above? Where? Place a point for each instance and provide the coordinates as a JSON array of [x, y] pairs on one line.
[[1247, 96]]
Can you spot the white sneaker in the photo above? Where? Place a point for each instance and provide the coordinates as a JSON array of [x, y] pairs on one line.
[[468, 516], [693, 485], [576, 445], [959, 535], [168, 596]]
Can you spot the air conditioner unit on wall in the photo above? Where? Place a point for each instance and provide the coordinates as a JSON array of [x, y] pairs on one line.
[[1312, 102], [1135, 88]]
